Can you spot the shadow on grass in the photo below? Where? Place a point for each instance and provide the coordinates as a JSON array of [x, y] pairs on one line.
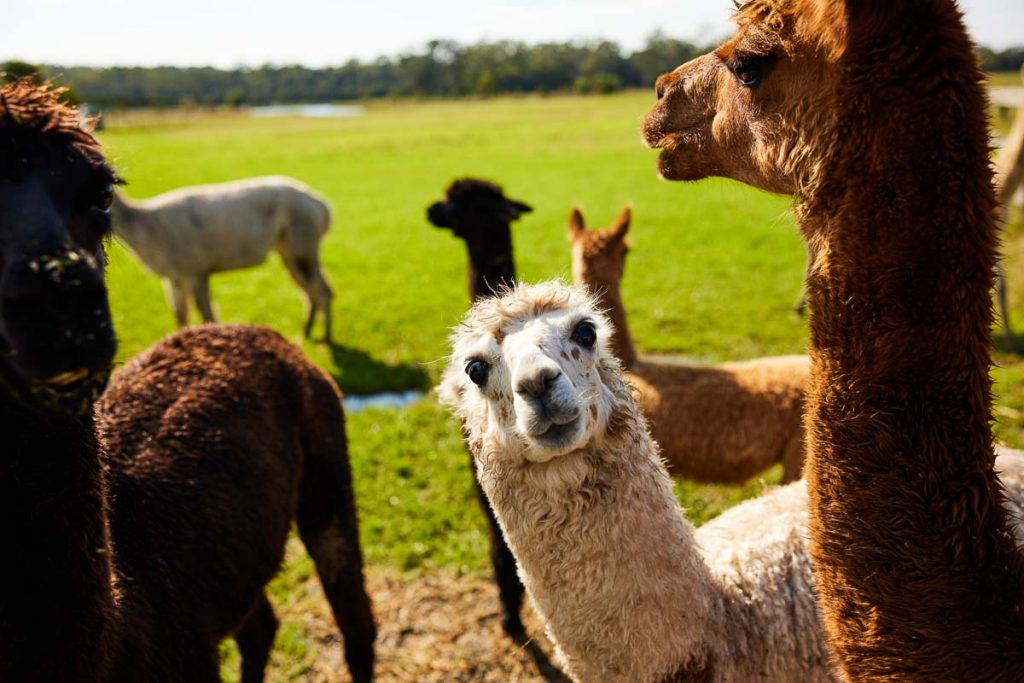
[[357, 372]]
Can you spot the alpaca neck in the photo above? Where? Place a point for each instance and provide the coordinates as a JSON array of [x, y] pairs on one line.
[[128, 220], [56, 599], [911, 546], [611, 302], [609, 560], [491, 265]]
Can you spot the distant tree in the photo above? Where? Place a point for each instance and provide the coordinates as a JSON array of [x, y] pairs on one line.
[[661, 54], [15, 69], [439, 68], [1009, 59]]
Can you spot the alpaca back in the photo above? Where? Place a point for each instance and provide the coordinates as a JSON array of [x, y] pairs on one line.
[[757, 554], [205, 438], [724, 423], [212, 228]]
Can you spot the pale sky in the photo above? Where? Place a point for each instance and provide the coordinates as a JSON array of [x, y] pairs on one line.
[[229, 33]]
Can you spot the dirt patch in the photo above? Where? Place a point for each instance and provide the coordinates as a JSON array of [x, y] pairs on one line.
[[432, 627]]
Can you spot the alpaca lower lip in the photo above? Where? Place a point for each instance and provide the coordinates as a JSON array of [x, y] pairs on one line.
[[557, 432]]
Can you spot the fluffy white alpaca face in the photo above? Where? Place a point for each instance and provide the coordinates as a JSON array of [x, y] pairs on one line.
[[527, 380]]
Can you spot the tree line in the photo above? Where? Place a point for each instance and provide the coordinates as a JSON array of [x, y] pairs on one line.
[[443, 68]]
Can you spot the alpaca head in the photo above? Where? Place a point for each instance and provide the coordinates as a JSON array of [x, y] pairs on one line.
[[56, 336], [758, 108], [473, 209], [479, 213], [531, 375], [599, 256]]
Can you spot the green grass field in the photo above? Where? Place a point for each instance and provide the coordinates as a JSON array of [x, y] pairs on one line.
[[714, 272], [713, 275]]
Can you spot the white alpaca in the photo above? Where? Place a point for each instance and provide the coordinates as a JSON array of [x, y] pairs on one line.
[[187, 234], [628, 589]]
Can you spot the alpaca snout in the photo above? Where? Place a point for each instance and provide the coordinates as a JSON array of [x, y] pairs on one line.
[[555, 406], [439, 214], [682, 102]]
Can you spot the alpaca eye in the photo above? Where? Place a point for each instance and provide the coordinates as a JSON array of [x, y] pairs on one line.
[[104, 199], [477, 371], [585, 334], [750, 71]]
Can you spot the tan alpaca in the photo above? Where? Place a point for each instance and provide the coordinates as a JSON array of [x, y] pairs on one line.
[[722, 424]]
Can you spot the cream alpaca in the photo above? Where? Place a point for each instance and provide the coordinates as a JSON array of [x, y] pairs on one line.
[[720, 423], [608, 559], [188, 234]]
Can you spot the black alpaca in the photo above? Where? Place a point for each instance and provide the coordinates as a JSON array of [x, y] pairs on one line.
[[478, 213], [132, 564]]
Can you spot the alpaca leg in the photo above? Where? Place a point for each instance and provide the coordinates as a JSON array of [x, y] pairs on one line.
[[255, 639], [510, 588], [201, 291], [324, 297], [300, 271], [199, 662], [307, 275], [328, 528], [793, 459], [178, 298]]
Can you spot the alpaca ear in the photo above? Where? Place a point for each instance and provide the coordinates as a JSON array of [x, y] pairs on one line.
[[577, 227], [621, 226], [517, 209], [449, 391]]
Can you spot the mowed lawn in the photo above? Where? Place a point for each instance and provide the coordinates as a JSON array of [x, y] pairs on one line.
[[713, 275]]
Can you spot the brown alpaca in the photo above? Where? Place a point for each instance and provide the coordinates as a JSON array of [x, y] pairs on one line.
[[131, 563], [873, 114], [236, 434], [720, 424]]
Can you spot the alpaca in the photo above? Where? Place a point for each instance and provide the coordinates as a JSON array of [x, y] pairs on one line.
[[136, 539], [720, 424], [628, 590], [186, 235], [873, 115], [57, 602], [478, 213], [237, 415]]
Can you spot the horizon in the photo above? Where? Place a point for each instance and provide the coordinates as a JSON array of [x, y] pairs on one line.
[[147, 36]]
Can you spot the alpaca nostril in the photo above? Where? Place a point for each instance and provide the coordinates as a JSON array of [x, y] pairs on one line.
[[537, 385]]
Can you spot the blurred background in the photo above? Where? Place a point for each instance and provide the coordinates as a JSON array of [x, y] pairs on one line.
[[378, 106]]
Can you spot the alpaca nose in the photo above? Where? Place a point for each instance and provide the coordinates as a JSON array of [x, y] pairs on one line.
[[537, 384]]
